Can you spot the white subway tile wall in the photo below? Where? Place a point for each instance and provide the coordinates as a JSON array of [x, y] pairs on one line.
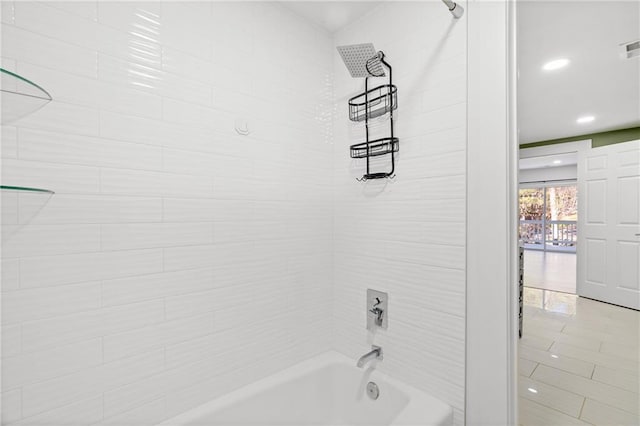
[[177, 260], [406, 236]]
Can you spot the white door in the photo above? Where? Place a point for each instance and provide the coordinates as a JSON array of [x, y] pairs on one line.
[[609, 224]]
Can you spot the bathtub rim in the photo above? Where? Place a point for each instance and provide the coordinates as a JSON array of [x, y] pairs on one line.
[[419, 401]]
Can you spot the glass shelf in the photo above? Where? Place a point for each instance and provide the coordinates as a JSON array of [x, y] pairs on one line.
[[20, 96], [25, 189]]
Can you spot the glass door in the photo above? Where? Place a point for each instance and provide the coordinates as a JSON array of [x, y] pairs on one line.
[[561, 218], [532, 215], [548, 217]]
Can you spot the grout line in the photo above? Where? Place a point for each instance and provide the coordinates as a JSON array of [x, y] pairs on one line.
[[534, 370], [584, 401]]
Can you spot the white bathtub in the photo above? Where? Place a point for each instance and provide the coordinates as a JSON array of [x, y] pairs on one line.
[[326, 390]]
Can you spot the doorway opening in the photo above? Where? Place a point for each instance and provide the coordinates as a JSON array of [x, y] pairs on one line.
[[548, 231], [548, 218]]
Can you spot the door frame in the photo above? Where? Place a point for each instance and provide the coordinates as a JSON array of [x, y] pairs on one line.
[[581, 147], [492, 215]]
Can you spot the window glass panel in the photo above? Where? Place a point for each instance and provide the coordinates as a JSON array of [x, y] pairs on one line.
[[561, 216], [531, 215], [562, 202], [531, 203]]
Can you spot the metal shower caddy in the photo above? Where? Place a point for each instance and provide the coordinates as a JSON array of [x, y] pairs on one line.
[[374, 103]]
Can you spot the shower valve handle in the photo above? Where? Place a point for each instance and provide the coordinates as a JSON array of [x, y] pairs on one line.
[[378, 313]]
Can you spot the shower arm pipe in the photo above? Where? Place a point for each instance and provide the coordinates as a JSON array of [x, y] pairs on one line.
[[456, 10]]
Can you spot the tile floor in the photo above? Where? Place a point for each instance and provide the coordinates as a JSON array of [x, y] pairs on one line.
[[578, 362], [550, 270]]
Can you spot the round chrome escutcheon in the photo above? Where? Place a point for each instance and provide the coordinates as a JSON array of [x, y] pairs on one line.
[[372, 390]]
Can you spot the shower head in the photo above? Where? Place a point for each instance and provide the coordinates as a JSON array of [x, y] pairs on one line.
[[455, 9], [362, 60]]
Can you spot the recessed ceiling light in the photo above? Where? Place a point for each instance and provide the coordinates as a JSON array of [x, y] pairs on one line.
[[585, 119], [532, 390], [557, 161], [555, 64]]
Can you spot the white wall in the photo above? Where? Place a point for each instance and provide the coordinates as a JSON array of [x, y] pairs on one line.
[[406, 236], [177, 260]]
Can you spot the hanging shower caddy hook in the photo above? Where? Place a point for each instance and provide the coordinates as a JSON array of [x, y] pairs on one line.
[[370, 104]]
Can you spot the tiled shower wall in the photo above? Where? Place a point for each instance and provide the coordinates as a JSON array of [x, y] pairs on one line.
[[406, 236], [178, 259]]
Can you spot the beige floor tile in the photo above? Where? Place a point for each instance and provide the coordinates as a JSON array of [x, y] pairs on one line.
[[629, 351], [625, 316], [537, 342], [597, 306], [628, 316], [594, 355], [598, 358], [601, 414], [534, 414], [550, 396], [618, 378], [616, 397], [526, 367], [575, 330], [629, 332], [581, 342], [569, 364], [542, 322], [540, 316], [591, 322]]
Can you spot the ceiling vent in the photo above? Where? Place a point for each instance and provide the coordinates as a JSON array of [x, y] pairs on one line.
[[630, 50]]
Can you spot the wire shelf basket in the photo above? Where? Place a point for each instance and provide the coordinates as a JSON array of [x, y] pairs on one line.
[[375, 148], [373, 103]]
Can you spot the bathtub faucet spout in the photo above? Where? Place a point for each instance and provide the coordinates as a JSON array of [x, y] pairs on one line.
[[376, 353]]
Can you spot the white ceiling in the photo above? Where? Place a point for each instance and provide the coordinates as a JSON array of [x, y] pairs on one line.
[[597, 81], [331, 15]]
